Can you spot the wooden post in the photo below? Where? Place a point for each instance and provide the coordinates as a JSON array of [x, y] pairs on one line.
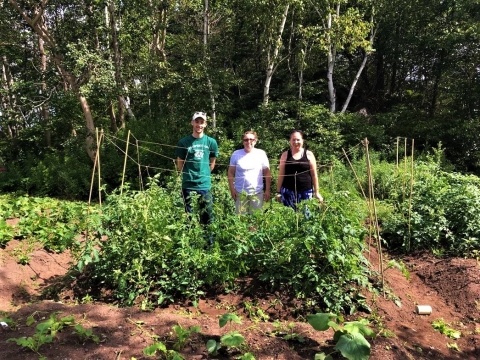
[[398, 143], [375, 223], [93, 174], [125, 163], [140, 181], [98, 160], [354, 173], [410, 198]]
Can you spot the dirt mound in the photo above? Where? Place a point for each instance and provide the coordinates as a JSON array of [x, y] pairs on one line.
[[449, 286]]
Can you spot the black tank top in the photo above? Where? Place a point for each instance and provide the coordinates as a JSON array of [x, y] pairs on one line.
[[297, 173]]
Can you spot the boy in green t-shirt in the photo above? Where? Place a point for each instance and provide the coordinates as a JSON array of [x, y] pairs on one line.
[[196, 155]]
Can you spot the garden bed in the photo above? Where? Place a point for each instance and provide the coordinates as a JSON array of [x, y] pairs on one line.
[[450, 286]]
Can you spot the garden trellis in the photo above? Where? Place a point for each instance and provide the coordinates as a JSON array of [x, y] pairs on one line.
[[138, 145]]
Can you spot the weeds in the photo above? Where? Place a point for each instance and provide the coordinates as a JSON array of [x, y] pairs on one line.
[[445, 329], [286, 331], [400, 265], [47, 331]]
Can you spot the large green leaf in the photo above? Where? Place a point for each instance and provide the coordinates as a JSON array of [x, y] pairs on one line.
[[322, 356], [212, 346], [358, 327], [320, 321], [152, 349], [228, 317], [354, 346], [232, 339]]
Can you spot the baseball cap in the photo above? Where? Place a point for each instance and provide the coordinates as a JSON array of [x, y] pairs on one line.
[[199, 114]]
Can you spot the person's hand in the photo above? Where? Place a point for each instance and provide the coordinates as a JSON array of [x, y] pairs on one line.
[[266, 196], [278, 198], [234, 194], [319, 197]]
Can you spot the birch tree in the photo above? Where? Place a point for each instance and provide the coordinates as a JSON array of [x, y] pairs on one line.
[[273, 45], [342, 28]]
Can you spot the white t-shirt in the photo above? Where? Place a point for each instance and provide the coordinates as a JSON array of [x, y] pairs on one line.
[[249, 170]]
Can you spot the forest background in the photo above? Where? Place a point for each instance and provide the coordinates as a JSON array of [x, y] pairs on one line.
[[339, 70]]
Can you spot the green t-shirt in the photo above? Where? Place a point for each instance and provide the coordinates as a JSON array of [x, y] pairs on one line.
[[196, 153]]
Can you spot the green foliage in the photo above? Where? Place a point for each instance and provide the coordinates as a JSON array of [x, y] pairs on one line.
[[183, 335], [52, 222], [231, 339], [47, 330], [445, 329], [159, 346], [85, 334], [348, 336], [6, 232], [441, 214], [150, 238], [256, 314], [400, 265], [286, 331]]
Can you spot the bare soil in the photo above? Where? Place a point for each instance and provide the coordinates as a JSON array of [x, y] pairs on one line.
[[450, 286]]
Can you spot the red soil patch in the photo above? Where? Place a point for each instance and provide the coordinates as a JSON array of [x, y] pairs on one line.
[[450, 286]]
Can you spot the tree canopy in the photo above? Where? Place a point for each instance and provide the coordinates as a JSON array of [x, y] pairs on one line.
[[339, 69]]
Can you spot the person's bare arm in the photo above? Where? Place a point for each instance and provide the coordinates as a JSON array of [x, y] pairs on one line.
[[313, 173], [180, 163], [212, 163], [231, 177], [281, 171], [268, 180]]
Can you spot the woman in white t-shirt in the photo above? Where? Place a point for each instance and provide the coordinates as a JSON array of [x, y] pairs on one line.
[[247, 168]]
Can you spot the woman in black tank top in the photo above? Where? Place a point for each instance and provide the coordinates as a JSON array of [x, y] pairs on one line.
[[297, 177]]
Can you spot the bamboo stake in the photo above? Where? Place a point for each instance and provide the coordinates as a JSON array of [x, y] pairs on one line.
[[93, 177], [332, 181], [404, 170], [398, 144], [370, 215], [125, 162], [354, 173], [410, 199], [99, 173], [371, 192], [91, 187], [140, 181]]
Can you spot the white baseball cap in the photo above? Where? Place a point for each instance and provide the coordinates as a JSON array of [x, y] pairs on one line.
[[199, 114]]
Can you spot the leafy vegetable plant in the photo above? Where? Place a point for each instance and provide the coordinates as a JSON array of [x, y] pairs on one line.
[[445, 329], [46, 332], [349, 336], [231, 339]]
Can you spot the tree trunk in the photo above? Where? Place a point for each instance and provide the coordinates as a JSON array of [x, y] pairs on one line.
[[272, 58], [359, 72], [40, 28], [332, 53], [118, 70], [113, 118], [159, 30], [44, 111], [90, 140], [206, 30]]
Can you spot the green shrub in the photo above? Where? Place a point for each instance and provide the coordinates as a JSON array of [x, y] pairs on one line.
[[154, 250]]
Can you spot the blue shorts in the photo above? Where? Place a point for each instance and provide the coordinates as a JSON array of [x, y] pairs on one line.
[[292, 198]]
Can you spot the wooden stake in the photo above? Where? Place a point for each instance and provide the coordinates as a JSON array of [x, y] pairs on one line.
[[372, 197], [410, 198], [354, 173], [398, 143], [140, 181], [125, 162], [99, 140]]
